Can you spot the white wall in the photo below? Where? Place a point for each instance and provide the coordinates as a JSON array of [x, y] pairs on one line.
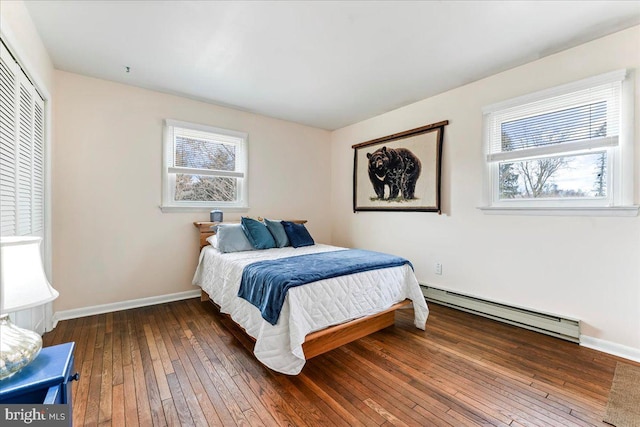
[[584, 267], [111, 241]]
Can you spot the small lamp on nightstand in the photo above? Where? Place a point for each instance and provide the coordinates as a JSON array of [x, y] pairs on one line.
[[23, 285]]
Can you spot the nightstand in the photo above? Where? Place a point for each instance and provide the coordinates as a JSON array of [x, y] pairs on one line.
[[45, 380]]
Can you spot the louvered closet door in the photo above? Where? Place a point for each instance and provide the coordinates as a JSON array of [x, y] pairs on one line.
[[21, 152], [8, 218], [22, 131]]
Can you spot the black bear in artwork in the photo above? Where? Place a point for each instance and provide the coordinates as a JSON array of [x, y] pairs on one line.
[[397, 168]]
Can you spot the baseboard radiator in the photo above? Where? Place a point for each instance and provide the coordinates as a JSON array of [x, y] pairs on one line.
[[557, 326]]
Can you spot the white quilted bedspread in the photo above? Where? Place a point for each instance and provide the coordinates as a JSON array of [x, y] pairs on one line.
[[307, 308]]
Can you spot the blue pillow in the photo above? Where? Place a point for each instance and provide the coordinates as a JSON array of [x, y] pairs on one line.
[[277, 231], [231, 238], [297, 234], [257, 233]]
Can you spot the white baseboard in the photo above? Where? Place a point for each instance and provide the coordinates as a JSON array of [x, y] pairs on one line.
[[122, 305], [610, 348]]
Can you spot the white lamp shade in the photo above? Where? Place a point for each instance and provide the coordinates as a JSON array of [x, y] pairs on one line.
[[23, 284]]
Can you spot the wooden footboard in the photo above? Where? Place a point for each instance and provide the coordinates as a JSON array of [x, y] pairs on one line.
[[333, 337]]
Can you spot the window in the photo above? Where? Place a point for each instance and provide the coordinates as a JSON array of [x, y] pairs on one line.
[[204, 167], [21, 151], [562, 148]]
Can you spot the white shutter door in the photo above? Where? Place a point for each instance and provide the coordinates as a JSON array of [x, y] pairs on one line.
[[21, 152], [7, 143]]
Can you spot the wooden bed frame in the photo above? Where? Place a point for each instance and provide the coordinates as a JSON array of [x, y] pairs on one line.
[[332, 337]]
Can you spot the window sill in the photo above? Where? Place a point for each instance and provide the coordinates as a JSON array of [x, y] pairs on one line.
[[168, 209], [628, 211]]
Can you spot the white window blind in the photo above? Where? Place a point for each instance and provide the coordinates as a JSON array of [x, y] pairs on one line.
[[21, 151], [205, 167], [578, 120]]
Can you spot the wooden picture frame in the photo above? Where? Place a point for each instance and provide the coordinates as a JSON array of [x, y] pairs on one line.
[[399, 172]]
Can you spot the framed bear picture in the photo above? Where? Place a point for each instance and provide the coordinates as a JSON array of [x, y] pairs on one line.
[[399, 172]]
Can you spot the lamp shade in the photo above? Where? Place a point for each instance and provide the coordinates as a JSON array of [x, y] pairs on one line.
[[23, 282]]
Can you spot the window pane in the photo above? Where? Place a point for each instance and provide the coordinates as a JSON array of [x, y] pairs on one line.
[[205, 188], [581, 176], [557, 127], [204, 154]]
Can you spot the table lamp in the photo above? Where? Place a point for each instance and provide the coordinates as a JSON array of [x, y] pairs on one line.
[[23, 285]]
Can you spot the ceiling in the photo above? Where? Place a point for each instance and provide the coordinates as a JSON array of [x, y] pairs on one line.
[[323, 64]]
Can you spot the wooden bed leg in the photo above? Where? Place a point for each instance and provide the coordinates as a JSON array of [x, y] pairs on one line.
[[204, 296]]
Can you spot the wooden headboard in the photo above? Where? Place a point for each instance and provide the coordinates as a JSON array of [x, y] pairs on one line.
[[206, 228]]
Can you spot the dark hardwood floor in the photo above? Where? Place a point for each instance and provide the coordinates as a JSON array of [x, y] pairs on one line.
[[183, 363]]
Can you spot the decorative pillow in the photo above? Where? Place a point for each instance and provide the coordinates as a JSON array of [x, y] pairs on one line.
[[297, 234], [213, 240], [231, 238], [277, 231], [257, 233]]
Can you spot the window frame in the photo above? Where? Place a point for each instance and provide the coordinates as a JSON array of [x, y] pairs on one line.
[[620, 164], [169, 171]]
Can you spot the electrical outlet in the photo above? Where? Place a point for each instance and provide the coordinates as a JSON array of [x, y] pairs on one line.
[[437, 268]]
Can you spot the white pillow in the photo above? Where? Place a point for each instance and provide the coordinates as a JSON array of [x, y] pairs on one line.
[[213, 240]]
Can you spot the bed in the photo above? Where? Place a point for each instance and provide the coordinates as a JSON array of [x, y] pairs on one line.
[[314, 318]]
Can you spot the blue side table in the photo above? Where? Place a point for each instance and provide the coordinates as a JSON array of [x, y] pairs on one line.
[[45, 380]]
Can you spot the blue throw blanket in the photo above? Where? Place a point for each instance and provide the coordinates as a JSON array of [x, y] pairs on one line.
[[265, 283]]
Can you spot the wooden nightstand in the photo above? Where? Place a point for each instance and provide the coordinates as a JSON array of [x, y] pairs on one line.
[[45, 380]]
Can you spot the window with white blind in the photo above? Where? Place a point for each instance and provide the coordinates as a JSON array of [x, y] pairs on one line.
[[21, 151], [204, 167], [562, 148]]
